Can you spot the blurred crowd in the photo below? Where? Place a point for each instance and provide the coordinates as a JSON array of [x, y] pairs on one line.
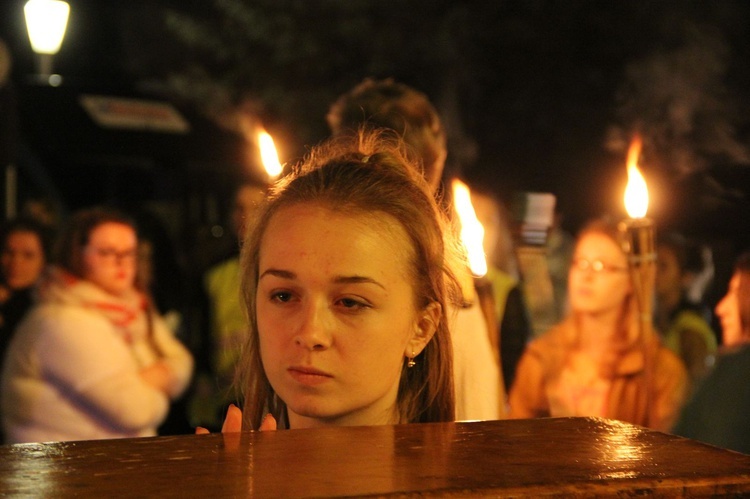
[[94, 344]]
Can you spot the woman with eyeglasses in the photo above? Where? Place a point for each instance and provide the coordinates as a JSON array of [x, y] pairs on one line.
[[596, 362], [93, 360]]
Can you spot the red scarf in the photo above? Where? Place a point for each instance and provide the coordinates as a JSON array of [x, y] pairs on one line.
[[127, 313]]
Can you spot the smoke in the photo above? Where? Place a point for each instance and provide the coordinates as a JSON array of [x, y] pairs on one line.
[[678, 100]]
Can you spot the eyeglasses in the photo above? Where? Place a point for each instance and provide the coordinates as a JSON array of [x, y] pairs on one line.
[[113, 255], [596, 266]]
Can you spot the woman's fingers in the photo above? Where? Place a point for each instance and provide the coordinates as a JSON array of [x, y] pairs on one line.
[[268, 424], [233, 420]]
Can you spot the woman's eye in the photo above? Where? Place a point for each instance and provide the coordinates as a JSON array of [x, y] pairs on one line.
[[281, 296], [352, 304]]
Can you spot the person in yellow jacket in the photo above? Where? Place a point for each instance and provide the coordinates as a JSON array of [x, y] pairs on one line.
[[227, 321], [682, 326]]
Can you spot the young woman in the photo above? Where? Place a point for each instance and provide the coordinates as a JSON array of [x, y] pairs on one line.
[[24, 244], [596, 362], [718, 412], [480, 393], [345, 283], [734, 309], [92, 360]]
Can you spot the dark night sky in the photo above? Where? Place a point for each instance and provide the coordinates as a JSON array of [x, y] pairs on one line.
[[537, 95]]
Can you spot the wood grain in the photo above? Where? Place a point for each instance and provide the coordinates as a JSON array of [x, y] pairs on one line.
[[542, 457]]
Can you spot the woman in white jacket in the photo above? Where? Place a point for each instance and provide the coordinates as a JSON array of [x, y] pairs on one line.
[[93, 360]]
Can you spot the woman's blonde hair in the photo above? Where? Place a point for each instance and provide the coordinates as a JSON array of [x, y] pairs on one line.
[[629, 330], [362, 173]]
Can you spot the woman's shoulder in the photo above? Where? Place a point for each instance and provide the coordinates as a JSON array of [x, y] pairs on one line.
[[51, 329], [552, 342], [666, 360], [562, 333], [736, 359], [56, 318], [64, 311]]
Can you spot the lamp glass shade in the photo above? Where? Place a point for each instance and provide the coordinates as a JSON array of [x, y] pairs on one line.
[[46, 21]]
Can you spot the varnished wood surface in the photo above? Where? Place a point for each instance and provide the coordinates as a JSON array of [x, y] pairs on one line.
[[543, 457]]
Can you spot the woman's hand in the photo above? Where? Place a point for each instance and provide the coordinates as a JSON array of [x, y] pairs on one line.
[[268, 423], [233, 422]]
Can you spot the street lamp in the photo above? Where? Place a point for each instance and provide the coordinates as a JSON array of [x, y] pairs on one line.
[[46, 21]]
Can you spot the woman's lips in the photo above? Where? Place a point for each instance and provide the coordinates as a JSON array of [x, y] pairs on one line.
[[583, 291], [308, 375]]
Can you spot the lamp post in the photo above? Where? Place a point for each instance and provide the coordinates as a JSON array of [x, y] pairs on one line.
[[46, 21]]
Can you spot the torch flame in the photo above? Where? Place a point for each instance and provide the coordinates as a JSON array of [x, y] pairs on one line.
[[472, 232], [268, 154], [636, 192]]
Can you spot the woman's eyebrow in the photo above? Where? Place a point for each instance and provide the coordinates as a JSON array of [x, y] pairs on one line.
[[283, 274], [356, 279]]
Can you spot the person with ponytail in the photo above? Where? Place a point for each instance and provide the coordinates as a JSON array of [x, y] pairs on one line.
[[346, 285]]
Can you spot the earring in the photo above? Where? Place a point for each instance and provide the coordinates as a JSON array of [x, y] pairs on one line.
[[410, 362]]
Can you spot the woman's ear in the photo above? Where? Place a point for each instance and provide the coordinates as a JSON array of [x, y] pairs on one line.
[[424, 329]]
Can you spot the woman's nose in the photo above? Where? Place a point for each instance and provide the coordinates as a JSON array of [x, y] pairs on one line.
[[314, 328], [719, 309]]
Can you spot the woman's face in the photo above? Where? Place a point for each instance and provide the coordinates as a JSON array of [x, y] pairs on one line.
[[22, 259], [728, 312], [337, 315], [598, 281], [109, 259]]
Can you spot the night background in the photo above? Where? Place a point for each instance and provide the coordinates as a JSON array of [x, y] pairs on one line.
[[535, 95]]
